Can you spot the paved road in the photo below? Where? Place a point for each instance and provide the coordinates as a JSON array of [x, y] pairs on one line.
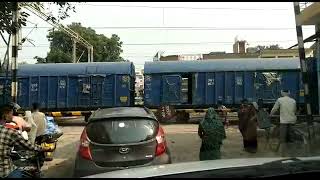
[[182, 140]]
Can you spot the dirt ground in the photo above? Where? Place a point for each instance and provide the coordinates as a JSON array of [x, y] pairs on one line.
[[182, 139]]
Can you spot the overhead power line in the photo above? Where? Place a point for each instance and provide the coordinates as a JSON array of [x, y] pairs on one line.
[[186, 28], [180, 7], [179, 43], [195, 43]]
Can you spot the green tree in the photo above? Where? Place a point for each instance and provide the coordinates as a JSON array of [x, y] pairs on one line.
[[271, 47], [276, 46], [6, 25], [104, 49], [6, 8], [260, 48]]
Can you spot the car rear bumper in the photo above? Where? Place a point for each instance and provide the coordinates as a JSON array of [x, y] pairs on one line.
[[86, 168]]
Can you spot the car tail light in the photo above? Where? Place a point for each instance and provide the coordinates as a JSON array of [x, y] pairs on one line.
[[161, 142], [84, 149]]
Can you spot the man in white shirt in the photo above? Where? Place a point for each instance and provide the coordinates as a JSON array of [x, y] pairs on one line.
[[39, 119], [288, 118]]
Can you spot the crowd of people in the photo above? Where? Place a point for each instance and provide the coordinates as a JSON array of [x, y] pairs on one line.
[[251, 115], [18, 131]]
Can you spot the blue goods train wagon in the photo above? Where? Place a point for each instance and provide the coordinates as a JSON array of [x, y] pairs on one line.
[[81, 86], [5, 89], [200, 84]]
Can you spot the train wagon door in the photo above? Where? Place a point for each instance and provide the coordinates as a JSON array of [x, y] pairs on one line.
[[171, 89], [24, 92], [267, 86], [84, 93], [96, 90]]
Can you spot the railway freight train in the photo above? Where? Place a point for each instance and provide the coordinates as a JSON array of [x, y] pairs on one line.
[[66, 87], [201, 84], [83, 87]]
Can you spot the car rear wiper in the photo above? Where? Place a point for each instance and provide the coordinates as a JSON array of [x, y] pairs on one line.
[[288, 165], [282, 161], [275, 168]]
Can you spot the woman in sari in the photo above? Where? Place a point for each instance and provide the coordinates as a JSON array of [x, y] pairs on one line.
[[248, 126], [212, 133]]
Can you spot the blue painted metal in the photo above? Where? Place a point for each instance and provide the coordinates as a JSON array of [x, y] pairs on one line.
[[63, 69], [227, 80], [252, 64], [83, 86], [210, 88], [171, 89], [5, 93]]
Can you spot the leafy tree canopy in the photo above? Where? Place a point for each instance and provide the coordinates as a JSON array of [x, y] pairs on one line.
[[104, 49]]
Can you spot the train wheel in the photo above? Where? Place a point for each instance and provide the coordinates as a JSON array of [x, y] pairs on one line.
[[186, 116], [86, 118], [183, 117], [166, 114]]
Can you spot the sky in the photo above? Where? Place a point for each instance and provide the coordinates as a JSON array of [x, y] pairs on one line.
[[201, 27]]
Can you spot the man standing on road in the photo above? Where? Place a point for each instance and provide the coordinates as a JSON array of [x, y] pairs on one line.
[[288, 108]]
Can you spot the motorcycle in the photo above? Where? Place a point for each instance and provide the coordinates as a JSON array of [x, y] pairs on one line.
[[50, 139], [49, 142], [29, 162]]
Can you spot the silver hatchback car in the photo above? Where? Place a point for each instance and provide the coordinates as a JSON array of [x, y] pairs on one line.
[[120, 138]]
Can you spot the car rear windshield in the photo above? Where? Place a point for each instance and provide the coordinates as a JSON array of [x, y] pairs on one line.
[[122, 131]]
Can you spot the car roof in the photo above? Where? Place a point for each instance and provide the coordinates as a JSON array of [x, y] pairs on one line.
[[120, 112], [186, 167]]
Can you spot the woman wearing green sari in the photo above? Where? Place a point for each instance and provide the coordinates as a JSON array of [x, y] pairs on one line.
[[212, 132]]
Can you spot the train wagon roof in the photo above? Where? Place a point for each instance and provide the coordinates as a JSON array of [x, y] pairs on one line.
[[252, 64], [61, 69]]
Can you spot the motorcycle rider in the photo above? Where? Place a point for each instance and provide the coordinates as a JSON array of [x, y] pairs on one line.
[[39, 119], [9, 139], [23, 125]]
